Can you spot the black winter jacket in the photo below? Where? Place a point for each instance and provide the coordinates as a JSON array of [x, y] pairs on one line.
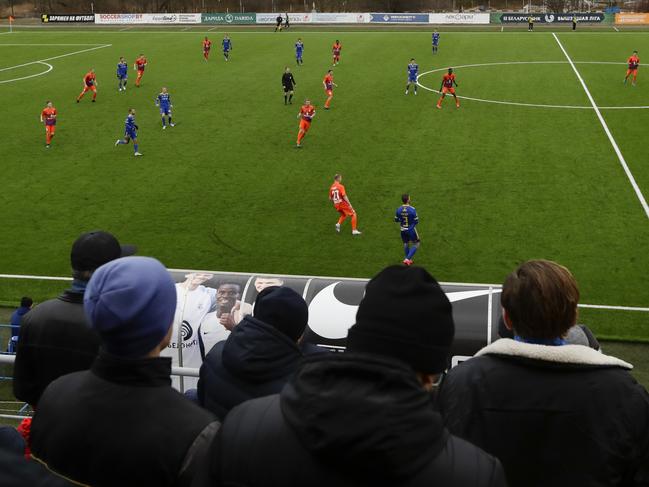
[[555, 416], [256, 360], [54, 340], [344, 420], [120, 424]]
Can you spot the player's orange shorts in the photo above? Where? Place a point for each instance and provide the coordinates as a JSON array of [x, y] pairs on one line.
[[329, 92], [448, 90], [632, 71], [89, 88], [344, 209], [50, 129], [305, 125]]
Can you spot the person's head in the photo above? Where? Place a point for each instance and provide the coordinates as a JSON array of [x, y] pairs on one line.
[[26, 302], [635, 53], [330, 71], [338, 177], [299, 39], [131, 111], [227, 295], [405, 315], [227, 35], [164, 89], [48, 103], [131, 303], [412, 60], [206, 38], [287, 69], [450, 70], [121, 59], [337, 41], [283, 309], [262, 282], [307, 102], [93, 249], [405, 198], [539, 300], [195, 279], [92, 70]]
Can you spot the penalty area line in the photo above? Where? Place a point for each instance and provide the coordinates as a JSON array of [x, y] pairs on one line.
[[42, 61], [616, 148]]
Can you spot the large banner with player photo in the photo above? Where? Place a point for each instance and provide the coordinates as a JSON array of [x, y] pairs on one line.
[[550, 18], [160, 19], [459, 18], [294, 18], [211, 304]]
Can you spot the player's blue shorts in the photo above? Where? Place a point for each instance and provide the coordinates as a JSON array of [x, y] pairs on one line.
[[122, 76], [412, 79], [435, 43], [131, 134], [408, 236], [165, 110], [298, 55]]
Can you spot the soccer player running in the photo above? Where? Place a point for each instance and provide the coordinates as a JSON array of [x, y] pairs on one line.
[[48, 117], [163, 101], [130, 132], [306, 114], [287, 21], [207, 45], [227, 47], [435, 41], [633, 62], [288, 82], [341, 202], [447, 87], [407, 219], [279, 21], [139, 65], [122, 74], [328, 83], [413, 71], [299, 50], [337, 47], [89, 84]]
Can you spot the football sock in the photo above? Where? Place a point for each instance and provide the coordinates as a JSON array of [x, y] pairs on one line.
[[290, 98], [406, 248], [285, 99], [411, 252], [135, 146], [354, 221], [163, 121], [341, 219]]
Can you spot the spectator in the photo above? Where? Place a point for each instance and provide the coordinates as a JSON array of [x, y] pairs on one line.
[[121, 422], [576, 335], [16, 318], [260, 354], [363, 417], [16, 471], [54, 337], [554, 414]]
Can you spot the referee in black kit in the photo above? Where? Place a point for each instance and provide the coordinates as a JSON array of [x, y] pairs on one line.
[[288, 82]]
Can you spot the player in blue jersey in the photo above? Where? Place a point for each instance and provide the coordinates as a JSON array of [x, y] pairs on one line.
[[407, 218], [122, 74], [299, 49], [413, 71], [130, 132], [163, 101], [435, 41], [227, 47]]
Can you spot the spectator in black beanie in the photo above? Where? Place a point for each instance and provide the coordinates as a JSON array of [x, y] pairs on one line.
[[260, 354], [363, 417]]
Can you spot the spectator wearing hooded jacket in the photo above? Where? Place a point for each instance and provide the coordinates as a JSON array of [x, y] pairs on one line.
[[363, 417], [260, 354], [555, 414], [16, 319], [121, 423]]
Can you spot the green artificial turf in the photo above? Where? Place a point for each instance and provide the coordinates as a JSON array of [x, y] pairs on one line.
[[494, 184]]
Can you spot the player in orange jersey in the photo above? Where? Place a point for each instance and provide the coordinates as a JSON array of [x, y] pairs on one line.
[[140, 64], [48, 117], [447, 87], [89, 84], [339, 198], [328, 83], [207, 45], [633, 63], [307, 112], [337, 47]]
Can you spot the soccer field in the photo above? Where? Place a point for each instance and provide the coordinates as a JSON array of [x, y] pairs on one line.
[[524, 169]]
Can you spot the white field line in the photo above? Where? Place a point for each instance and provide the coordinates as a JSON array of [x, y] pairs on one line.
[[55, 57], [215, 27], [616, 29], [125, 28], [28, 45], [620, 157], [49, 68], [494, 288]]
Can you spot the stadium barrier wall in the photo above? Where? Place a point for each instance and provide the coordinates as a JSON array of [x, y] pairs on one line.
[[162, 19], [294, 18], [77, 18], [631, 19], [459, 18], [399, 18], [549, 18], [226, 18]]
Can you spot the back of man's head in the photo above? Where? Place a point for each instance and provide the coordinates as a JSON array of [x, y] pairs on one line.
[[284, 309], [93, 249], [26, 302], [405, 315], [131, 303], [540, 299]]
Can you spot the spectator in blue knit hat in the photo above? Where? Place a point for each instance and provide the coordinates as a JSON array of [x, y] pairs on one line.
[[121, 422]]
